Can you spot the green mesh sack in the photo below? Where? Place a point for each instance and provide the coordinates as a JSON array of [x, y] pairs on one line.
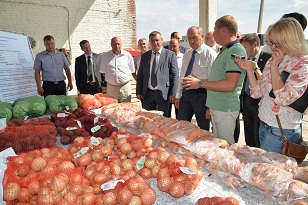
[[60, 102]]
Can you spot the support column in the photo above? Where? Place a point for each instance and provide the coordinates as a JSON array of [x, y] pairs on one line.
[[207, 14]]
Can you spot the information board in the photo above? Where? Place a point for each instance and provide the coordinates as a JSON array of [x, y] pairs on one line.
[[16, 67]]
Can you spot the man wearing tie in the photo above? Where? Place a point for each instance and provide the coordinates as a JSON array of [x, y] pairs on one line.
[[87, 75], [157, 78], [250, 106], [197, 62]]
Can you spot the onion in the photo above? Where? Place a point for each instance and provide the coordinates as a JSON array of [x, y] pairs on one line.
[[124, 196], [146, 173], [33, 187], [45, 199], [107, 150], [135, 201], [76, 188], [176, 190], [147, 142], [11, 191], [150, 163], [126, 148], [84, 159], [127, 164], [97, 155], [100, 178], [71, 197], [109, 199], [22, 170], [38, 164], [58, 183], [164, 183], [148, 196], [66, 166], [122, 130]]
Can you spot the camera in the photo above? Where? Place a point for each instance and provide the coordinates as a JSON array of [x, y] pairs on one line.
[[235, 55], [60, 49]]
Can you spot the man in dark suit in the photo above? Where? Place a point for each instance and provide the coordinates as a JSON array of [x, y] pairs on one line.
[[157, 78], [251, 43], [88, 78]]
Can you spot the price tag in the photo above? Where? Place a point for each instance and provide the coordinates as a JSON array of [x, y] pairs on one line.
[[2, 123], [111, 184], [140, 163], [187, 170], [95, 128], [94, 141], [82, 151], [95, 120], [147, 135], [67, 107], [79, 123], [61, 114], [71, 128], [121, 136]]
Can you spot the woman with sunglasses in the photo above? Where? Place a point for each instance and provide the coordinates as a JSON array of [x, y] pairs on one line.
[[289, 55]]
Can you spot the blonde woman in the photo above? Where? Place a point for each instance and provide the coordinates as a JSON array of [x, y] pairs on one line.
[[289, 55]]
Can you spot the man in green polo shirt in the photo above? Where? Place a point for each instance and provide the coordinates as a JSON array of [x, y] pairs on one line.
[[225, 81]]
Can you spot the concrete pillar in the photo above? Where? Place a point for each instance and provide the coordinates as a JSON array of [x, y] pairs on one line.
[[207, 14]]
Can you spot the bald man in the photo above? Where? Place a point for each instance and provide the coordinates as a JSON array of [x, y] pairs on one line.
[[117, 65]]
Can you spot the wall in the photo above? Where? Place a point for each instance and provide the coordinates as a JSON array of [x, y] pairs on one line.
[[71, 21]]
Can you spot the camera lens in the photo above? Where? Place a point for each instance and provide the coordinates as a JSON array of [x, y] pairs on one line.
[[60, 49]]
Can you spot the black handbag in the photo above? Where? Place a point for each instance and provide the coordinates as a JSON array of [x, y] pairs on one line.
[[301, 103], [298, 150]]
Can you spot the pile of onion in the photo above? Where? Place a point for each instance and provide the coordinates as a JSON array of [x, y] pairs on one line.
[[172, 180], [135, 190]]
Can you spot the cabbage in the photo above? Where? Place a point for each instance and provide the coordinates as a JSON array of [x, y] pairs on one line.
[[6, 111], [33, 106], [60, 102]]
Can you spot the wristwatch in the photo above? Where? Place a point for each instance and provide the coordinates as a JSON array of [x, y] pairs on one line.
[[201, 84]]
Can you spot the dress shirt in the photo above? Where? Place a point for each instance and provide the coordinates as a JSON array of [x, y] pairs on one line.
[[158, 53], [179, 59], [118, 69], [137, 60], [204, 58], [52, 65]]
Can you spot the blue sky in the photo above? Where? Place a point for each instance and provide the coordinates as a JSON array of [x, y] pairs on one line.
[[167, 16]]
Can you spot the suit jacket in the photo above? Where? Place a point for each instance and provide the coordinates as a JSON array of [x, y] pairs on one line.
[[167, 73], [263, 58], [81, 75]]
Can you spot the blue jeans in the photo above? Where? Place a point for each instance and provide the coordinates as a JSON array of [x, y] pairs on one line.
[[269, 137]]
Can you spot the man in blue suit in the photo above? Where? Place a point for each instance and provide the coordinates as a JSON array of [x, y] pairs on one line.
[[158, 76], [88, 79]]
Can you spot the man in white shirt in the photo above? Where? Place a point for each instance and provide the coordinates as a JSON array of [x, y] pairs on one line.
[[210, 41], [174, 45], [117, 65], [201, 57]]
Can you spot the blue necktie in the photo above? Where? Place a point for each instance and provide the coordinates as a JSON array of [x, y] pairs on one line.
[[190, 64], [153, 73]]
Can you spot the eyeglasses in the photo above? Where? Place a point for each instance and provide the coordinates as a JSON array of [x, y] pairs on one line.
[[277, 45]]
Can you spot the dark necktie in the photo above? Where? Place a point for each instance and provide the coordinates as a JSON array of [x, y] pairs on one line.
[[190, 64], [153, 72], [90, 66]]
